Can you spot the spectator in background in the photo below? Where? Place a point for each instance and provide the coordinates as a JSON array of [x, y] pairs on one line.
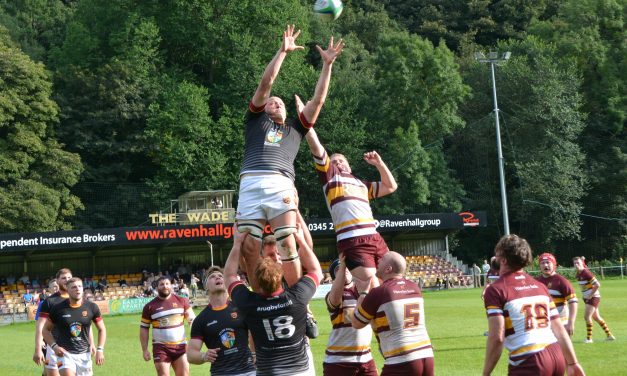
[[3, 281], [10, 279], [193, 284], [122, 282], [184, 291], [28, 298], [102, 284], [476, 274], [25, 279], [485, 268]]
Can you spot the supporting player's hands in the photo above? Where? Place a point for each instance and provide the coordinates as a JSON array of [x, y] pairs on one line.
[[289, 40], [211, 355], [38, 356], [147, 355], [333, 51], [238, 237], [92, 350], [373, 158], [100, 358], [299, 235]]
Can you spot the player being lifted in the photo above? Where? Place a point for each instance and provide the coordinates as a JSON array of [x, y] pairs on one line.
[[267, 192], [347, 199]]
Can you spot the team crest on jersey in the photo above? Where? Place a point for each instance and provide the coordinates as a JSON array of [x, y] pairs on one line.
[[274, 136], [287, 200], [233, 315], [84, 313], [227, 337], [174, 305], [75, 329], [549, 285]]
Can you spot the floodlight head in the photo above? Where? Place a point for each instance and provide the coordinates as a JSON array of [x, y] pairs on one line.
[[506, 55], [493, 55], [479, 55]]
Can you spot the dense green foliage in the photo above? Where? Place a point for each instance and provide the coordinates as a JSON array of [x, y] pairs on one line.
[[151, 96]]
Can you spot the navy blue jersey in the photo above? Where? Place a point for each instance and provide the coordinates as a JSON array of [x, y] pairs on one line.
[[224, 328], [277, 325], [73, 324]]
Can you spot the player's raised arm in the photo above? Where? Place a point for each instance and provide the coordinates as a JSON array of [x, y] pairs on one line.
[[232, 262], [334, 299], [272, 69], [313, 107], [315, 146], [388, 183]]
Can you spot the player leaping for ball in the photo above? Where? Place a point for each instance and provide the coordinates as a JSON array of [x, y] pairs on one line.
[[267, 192], [348, 201]]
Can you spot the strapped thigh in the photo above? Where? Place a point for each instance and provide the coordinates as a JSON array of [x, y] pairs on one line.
[[281, 233]]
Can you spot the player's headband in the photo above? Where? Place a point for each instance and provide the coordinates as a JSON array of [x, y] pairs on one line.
[[549, 257]]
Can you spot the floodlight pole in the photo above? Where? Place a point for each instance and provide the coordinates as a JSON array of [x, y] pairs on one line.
[[492, 59], [211, 250]]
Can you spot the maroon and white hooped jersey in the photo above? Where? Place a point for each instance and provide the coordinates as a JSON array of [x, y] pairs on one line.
[[167, 317], [561, 291], [586, 281], [347, 344], [527, 308], [397, 315]]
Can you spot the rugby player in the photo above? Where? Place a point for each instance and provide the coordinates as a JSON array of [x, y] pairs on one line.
[[592, 298], [348, 198], [221, 327], [166, 314], [560, 289], [348, 349], [395, 310], [522, 316], [276, 316], [72, 319]]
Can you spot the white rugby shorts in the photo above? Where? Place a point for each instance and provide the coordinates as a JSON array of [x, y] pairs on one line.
[[51, 359], [265, 196], [79, 363]]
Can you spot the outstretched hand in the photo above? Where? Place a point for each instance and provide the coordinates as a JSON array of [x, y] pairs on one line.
[[300, 106], [373, 158], [332, 51], [289, 40]]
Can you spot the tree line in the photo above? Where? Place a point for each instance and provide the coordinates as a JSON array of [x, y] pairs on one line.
[[109, 109]]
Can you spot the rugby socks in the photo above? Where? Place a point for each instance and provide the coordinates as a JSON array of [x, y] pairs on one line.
[[589, 330], [605, 328]]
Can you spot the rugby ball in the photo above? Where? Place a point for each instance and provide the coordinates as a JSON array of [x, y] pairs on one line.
[[328, 10]]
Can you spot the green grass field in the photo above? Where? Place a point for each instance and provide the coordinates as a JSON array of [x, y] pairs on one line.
[[455, 320]]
